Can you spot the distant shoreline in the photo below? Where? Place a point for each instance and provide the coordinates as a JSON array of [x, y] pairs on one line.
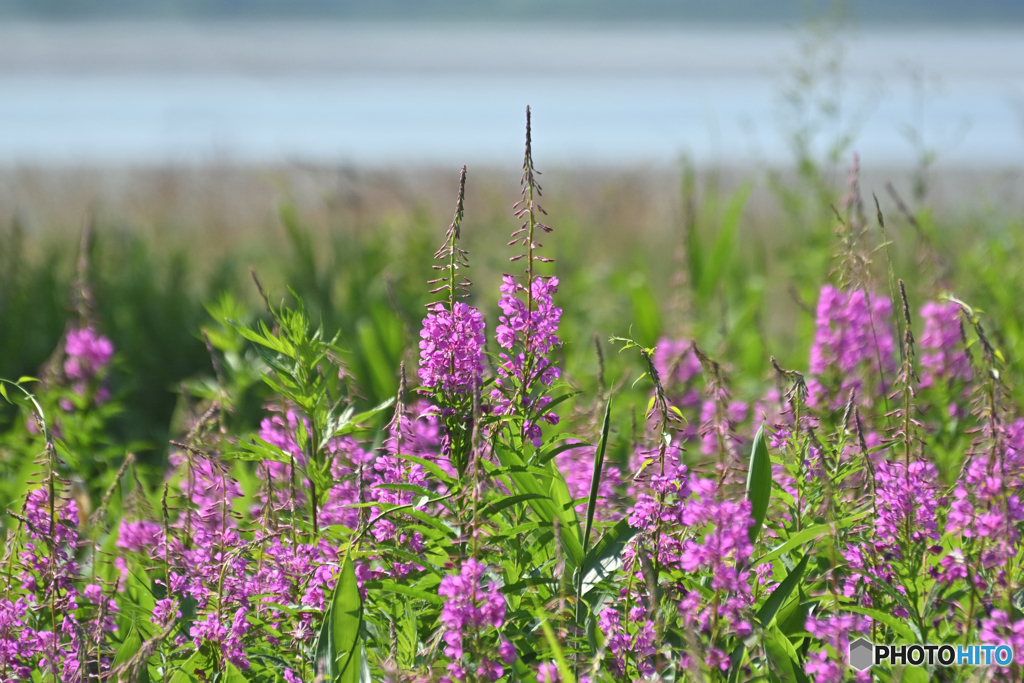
[[233, 199]]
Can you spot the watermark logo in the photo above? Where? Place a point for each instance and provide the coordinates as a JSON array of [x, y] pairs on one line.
[[864, 654]]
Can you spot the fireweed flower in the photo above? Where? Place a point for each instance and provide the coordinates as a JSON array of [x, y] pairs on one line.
[[718, 547], [723, 549], [987, 498], [18, 641], [942, 357], [88, 352], [577, 466], [906, 501], [452, 348], [675, 362], [527, 337], [835, 631], [469, 612], [139, 536], [1000, 629], [851, 330], [634, 641], [47, 576]]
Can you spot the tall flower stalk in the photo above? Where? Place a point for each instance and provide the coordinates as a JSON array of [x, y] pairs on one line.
[[529, 322], [452, 344]]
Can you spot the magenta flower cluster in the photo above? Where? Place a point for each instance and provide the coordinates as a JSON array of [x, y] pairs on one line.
[[942, 355], [472, 611], [852, 338], [528, 331], [88, 353], [452, 348]]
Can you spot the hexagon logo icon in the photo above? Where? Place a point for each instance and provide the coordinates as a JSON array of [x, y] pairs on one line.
[[861, 654]]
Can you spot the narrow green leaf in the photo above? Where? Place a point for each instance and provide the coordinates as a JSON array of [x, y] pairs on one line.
[[782, 592], [782, 657], [808, 534], [357, 668], [605, 557], [759, 482], [548, 407], [129, 648], [408, 638], [547, 455], [898, 626], [508, 501], [411, 592], [350, 423], [595, 481]]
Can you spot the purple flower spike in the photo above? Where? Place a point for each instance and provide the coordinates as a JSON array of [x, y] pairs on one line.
[[941, 357], [88, 353], [452, 348]]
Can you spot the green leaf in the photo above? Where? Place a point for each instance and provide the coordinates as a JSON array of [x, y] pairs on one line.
[[781, 593], [595, 481], [914, 674], [897, 625], [547, 454], [408, 638], [411, 592], [759, 482], [808, 534], [339, 634], [723, 248], [232, 675], [605, 557], [201, 662], [348, 421], [553, 495], [783, 660], [508, 501], [551, 405], [129, 648], [793, 617], [142, 599]]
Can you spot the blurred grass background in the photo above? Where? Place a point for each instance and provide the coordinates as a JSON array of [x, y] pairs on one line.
[[731, 257]]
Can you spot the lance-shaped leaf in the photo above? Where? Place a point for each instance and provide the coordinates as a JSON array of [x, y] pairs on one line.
[[339, 634], [595, 481], [759, 482], [782, 592], [129, 648]]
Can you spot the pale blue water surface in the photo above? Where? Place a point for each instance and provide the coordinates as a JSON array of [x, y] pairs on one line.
[[436, 94]]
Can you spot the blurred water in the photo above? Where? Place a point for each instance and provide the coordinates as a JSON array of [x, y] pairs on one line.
[[385, 95]]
